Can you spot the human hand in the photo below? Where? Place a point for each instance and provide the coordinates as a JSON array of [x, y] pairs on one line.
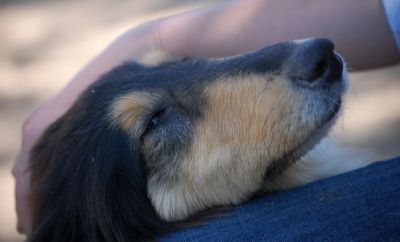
[[32, 129], [22, 175], [130, 44], [22, 191]]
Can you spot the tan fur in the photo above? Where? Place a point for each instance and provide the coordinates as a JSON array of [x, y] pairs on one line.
[[129, 109], [325, 160], [231, 152]]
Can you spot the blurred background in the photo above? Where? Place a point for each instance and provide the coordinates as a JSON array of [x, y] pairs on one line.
[[43, 43]]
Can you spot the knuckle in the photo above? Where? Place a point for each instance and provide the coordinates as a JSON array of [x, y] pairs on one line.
[[28, 127], [16, 170], [31, 130]]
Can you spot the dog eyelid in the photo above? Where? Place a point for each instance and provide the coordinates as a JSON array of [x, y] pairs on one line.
[[154, 120]]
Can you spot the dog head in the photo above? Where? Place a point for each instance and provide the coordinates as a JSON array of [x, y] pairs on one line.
[[157, 141]]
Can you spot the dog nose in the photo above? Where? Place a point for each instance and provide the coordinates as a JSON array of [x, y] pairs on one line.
[[314, 61]]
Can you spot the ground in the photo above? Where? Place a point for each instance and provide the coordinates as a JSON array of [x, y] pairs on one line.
[[43, 43]]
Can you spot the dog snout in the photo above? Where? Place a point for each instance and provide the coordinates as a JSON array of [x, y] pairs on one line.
[[314, 63]]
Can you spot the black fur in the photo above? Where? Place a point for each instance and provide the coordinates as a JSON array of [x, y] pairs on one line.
[[89, 175], [96, 185]]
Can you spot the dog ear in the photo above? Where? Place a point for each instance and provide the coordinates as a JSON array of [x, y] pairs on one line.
[[89, 182]]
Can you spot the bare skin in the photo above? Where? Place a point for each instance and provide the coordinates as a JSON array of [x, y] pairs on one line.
[[358, 27]]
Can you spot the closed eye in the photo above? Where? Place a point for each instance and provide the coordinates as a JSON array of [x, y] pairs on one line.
[[154, 120]]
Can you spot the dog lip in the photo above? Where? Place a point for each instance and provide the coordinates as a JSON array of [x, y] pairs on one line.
[[340, 60], [297, 152], [337, 56], [333, 113]]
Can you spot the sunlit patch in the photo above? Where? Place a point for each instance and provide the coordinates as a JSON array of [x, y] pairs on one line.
[[156, 57]]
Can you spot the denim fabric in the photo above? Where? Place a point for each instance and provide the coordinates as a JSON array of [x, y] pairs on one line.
[[392, 10], [363, 205]]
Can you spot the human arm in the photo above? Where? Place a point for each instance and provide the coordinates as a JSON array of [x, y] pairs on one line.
[[358, 28]]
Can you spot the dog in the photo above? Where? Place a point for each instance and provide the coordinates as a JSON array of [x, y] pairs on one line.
[[156, 141]]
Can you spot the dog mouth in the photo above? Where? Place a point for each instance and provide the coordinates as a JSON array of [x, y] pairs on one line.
[[277, 166], [332, 114]]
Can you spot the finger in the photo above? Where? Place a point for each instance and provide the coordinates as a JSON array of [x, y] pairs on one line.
[[23, 194]]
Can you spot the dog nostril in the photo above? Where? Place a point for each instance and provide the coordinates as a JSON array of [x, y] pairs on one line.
[[320, 69], [313, 62], [315, 72]]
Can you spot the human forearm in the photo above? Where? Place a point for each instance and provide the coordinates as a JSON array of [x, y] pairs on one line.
[[358, 28]]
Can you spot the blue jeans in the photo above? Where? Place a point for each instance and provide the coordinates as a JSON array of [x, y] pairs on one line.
[[363, 205]]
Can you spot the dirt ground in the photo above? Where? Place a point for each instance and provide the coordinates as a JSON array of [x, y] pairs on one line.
[[43, 43]]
